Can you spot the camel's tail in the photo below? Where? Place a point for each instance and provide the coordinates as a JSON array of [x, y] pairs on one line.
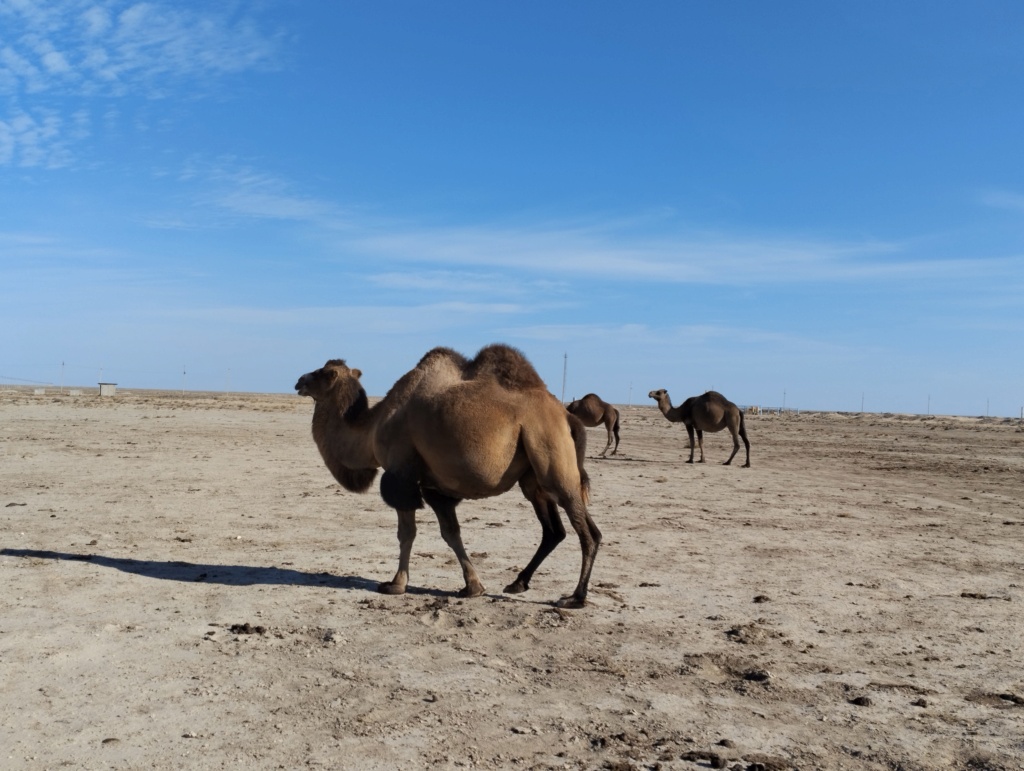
[[579, 438]]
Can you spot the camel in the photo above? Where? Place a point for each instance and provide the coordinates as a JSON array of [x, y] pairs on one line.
[[451, 429], [708, 412], [594, 412]]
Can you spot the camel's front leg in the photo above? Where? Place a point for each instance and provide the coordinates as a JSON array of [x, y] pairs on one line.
[[689, 433], [406, 535], [608, 444], [444, 507]]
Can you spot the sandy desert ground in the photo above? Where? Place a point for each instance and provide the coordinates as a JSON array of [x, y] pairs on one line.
[[185, 586]]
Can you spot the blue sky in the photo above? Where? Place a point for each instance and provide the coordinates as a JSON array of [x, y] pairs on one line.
[[816, 201]]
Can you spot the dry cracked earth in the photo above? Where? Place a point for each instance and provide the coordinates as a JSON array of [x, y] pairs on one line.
[[184, 585]]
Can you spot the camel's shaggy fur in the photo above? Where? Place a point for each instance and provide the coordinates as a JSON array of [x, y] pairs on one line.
[[454, 428]]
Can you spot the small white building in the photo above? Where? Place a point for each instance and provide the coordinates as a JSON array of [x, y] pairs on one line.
[[108, 389]]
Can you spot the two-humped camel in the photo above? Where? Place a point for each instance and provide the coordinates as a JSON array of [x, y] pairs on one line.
[[451, 429], [708, 412], [592, 411]]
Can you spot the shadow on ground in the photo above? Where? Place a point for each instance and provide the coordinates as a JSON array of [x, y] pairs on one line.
[[227, 575]]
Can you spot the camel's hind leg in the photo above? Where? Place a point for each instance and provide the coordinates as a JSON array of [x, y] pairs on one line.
[[743, 435], [590, 540], [444, 508], [608, 444], [738, 430], [735, 444], [553, 534]]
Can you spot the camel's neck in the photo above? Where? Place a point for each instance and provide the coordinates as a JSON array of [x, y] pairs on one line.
[[344, 435], [665, 405]]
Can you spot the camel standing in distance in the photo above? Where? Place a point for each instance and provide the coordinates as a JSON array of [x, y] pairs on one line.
[[592, 411], [451, 429], [708, 412]]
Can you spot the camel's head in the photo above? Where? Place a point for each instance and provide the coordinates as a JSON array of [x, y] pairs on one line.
[[335, 381], [658, 395]]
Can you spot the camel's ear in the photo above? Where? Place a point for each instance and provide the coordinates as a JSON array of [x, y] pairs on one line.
[[356, 373]]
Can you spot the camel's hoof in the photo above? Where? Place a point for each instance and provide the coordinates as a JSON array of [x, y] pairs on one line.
[[571, 602], [471, 591], [516, 587], [690, 460], [746, 465], [390, 587]]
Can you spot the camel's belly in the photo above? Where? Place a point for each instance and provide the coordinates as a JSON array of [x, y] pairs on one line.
[[467, 454], [480, 469]]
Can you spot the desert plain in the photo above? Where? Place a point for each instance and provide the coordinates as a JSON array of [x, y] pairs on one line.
[[184, 585]]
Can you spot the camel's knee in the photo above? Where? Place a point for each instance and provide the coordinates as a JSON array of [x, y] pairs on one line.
[[553, 537]]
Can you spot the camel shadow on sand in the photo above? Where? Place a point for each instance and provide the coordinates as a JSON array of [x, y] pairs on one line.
[[225, 575]]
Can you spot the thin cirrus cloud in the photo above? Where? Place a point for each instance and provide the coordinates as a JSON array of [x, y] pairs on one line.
[[1003, 199], [681, 258], [73, 48], [610, 249], [464, 282], [120, 47]]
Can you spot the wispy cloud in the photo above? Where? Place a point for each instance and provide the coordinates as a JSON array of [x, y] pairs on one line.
[[74, 49], [601, 251], [1003, 199], [38, 139], [678, 337], [464, 282], [114, 47], [371, 320], [651, 248]]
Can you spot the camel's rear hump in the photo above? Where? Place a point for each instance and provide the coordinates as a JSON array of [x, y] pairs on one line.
[[507, 365]]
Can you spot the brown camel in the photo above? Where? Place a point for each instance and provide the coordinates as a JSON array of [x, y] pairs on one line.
[[595, 412], [709, 412], [451, 429]]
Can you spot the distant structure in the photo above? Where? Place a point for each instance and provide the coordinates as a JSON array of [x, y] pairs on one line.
[[108, 389]]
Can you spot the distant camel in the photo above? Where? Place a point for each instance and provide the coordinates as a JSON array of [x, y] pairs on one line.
[[595, 412], [451, 429], [709, 412]]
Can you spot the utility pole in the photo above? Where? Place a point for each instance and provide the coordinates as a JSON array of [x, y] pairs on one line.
[[565, 369], [182, 379], [630, 403]]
